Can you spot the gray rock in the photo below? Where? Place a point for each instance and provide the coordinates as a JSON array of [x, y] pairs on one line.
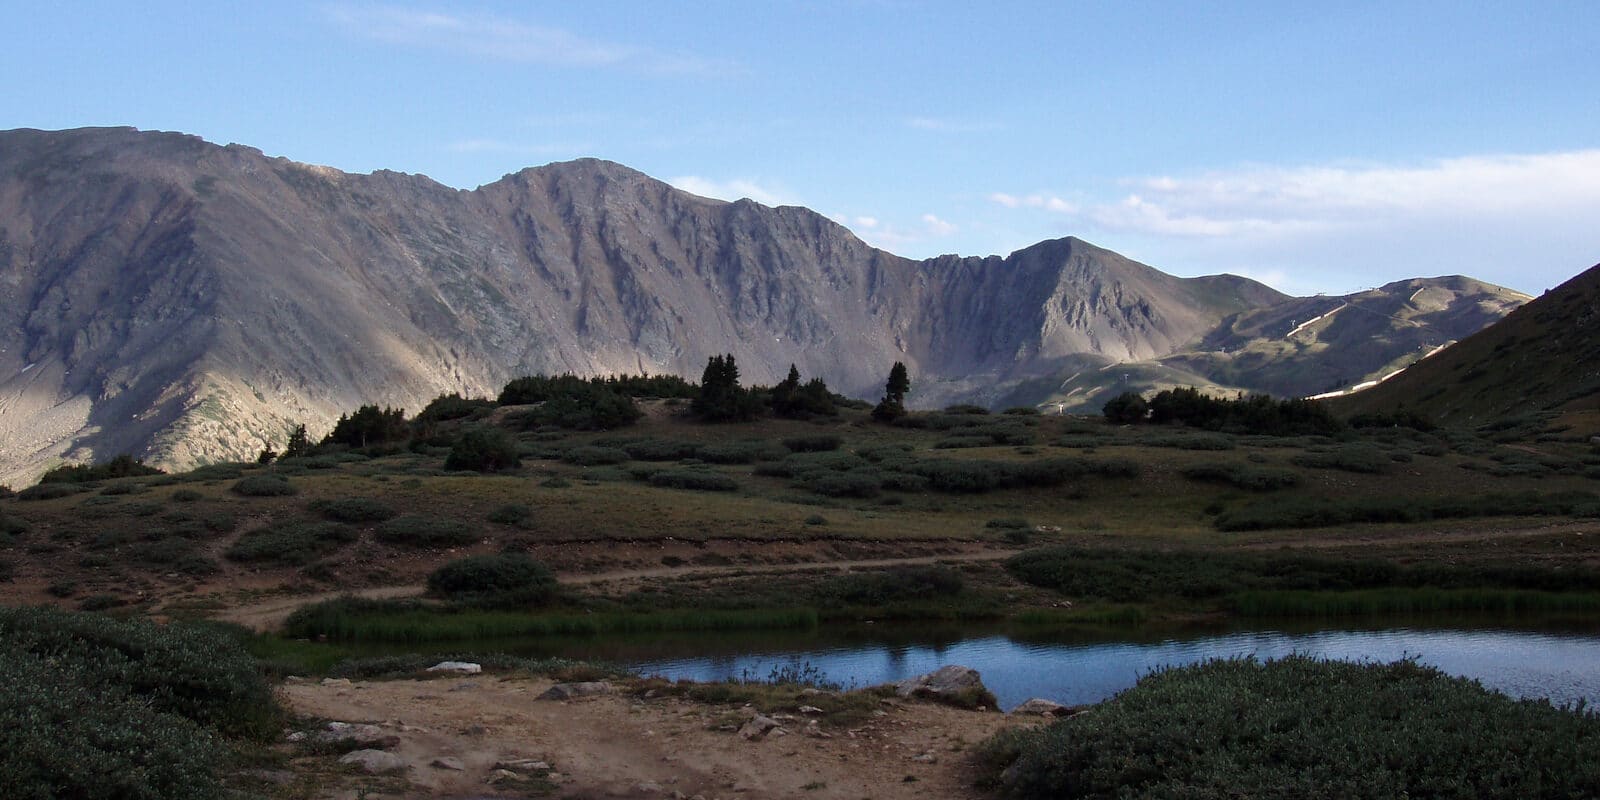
[[448, 762], [758, 727], [1040, 707], [523, 765], [946, 681], [335, 681], [369, 736], [458, 667], [374, 762], [569, 691]]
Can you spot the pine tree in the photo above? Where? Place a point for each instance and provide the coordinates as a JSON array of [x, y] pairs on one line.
[[299, 444], [893, 404]]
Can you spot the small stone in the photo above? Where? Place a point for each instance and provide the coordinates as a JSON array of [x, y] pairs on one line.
[[925, 758], [474, 730], [758, 727], [448, 762], [568, 691], [297, 736], [335, 681], [810, 710], [1040, 707], [499, 775], [647, 788], [461, 667], [522, 765], [295, 679], [374, 762]]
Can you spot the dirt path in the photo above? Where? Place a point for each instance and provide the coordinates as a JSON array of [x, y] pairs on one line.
[[619, 746], [269, 614]]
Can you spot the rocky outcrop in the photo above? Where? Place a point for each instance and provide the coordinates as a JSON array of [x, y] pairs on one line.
[[186, 302]]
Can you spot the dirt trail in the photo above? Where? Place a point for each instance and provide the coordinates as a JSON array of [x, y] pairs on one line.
[[269, 613], [618, 746]]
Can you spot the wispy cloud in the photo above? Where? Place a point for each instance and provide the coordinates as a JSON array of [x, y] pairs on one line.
[[1048, 202], [1278, 201], [488, 36], [953, 125], [735, 189], [893, 237]]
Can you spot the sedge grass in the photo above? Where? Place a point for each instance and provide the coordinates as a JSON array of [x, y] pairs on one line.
[[1424, 600]]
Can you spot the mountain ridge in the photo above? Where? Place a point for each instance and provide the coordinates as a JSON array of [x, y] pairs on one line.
[[188, 302]]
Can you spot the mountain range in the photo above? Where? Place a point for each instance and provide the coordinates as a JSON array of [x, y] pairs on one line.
[[188, 302]]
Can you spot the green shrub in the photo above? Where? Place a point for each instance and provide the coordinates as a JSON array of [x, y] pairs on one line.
[[1350, 458], [186, 496], [898, 584], [747, 452], [122, 466], [484, 449], [590, 456], [49, 491], [503, 580], [264, 486], [516, 514], [352, 509], [661, 450], [697, 479], [1300, 727], [290, 543], [1191, 441], [422, 530], [855, 483], [1243, 476], [1311, 513], [815, 443]]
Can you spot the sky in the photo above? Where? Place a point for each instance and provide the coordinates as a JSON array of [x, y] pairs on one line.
[[1316, 146]]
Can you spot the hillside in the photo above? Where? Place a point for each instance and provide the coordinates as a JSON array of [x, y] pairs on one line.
[[189, 303], [1543, 357]]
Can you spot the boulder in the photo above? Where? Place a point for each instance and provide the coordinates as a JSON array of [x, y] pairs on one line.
[[448, 762], [369, 736], [457, 667], [949, 682], [1041, 708], [374, 762], [758, 726], [569, 691]]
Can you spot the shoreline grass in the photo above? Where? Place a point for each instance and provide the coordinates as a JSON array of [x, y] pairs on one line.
[[1424, 600]]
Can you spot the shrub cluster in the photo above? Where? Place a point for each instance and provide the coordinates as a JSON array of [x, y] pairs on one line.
[[1301, 727], [290, 543], [574, 403], [502, 580], [422, 530], [1312, 513], [704, 480], [899, 584], [1244, 476], [352, 509], [264, 486], [484, 449], [1252, 414], [96, 707], [122, 466]]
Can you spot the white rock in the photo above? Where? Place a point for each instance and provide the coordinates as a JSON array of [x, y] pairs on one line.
[[758, 727], [1040, 707], [461, 667], [374, 761], [448, 762]]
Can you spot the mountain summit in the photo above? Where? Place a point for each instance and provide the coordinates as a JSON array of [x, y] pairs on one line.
[[189, 302]]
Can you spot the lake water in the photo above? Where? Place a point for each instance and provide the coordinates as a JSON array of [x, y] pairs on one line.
[[1563, 666]]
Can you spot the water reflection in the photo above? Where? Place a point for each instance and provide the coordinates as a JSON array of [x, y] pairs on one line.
[[1563, 667]]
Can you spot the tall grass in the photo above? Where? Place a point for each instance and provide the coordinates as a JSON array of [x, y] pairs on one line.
[[355, 621], [1425, 600]]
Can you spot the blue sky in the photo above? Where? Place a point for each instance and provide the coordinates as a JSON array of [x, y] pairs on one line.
[[1318, 146]]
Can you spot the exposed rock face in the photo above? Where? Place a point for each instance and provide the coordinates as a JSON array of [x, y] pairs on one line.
[[186, 302]]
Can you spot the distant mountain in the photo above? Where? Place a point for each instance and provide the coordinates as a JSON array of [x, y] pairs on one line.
[[1296, 348], [1544, 356], [188, 302]]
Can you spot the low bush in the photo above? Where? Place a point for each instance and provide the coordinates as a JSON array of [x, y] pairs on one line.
[[591, 456], [703, 480], [186, 496], [1192, 441], [517, 514], [290, 543], [748, 452], [502, 580], [352, 509], [661, 450], [899, 584], [1310, 513], [264, 486], [50, 491], [122, 466], [422, 530], [1350, 458], [484, 449], [860, 483], [815, 443], [1244, 476], [1301, 727], [974, 476]]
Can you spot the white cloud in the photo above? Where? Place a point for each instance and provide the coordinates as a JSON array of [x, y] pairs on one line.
[[867, 222], [488, 36], [735, 189], [937, 227], [1044, 201], [1277, 201]]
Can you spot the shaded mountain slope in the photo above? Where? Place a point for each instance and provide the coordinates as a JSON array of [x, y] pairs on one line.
[[1544, 356]]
